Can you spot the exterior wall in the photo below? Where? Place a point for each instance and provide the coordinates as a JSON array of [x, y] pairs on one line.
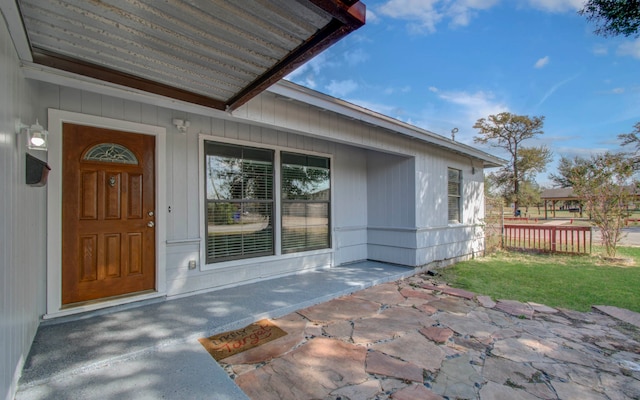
[[183, 162], [22, 223], [392, 209], [406, 184], [438, 241]]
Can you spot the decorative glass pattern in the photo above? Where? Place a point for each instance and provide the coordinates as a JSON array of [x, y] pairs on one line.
[[111, 152]]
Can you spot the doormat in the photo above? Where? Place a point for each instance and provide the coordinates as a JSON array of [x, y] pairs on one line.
[[229, 343]]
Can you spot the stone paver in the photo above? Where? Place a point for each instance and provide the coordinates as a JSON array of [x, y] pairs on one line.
[[627, 316], [415, 392], [413, 340], [382, 364], [436, 334]]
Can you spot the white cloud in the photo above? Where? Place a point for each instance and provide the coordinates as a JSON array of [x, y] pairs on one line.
[[462, 11], [308, 73], [356, 57], [479, 103], [469, 107], [392, 89], [600, 50], [422, 13], [630, 48], [433, 89], [541, 63], [341, 88], [557, 5], [312, 67], [617, 90], [423, 16], [372, 18]]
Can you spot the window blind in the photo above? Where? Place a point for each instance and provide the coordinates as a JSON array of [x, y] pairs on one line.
[[306, 195], [239, 199]]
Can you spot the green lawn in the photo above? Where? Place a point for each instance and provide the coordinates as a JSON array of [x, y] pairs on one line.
[[574, 282]]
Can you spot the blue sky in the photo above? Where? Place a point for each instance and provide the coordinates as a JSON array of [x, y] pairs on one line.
[[442, 64]]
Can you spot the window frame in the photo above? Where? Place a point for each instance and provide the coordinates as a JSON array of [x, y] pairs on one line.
[[277, 216], [457, 196], [238, 203], [306, 202]]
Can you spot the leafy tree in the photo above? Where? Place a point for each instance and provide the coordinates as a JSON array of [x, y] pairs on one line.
[[633, 138], [566, 165], [614, 17], [606, 185], [508, 131], [530, 195]]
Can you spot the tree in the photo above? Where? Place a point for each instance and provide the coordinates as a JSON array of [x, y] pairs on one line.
[[634, 139], [606, 185], [530, 195], [508, 131], [614, 17], [563, 178]]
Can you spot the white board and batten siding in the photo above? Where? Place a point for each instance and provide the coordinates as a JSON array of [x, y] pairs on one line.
[[22, 222], [389, 192], [406, 183]]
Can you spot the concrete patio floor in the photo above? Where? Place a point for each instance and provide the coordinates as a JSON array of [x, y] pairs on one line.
[[151, 351], [362, 331]]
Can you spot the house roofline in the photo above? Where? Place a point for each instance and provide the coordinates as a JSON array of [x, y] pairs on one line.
[[349, 110], [282, 88]]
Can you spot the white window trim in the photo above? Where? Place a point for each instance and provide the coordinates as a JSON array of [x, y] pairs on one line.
[[460, 198], [277, 201]]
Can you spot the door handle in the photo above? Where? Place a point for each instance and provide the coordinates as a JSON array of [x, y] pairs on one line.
[[150, 224], [150, 213]]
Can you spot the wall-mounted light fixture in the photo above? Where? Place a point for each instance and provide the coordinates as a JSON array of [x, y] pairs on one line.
[[37, 136], [181, 124]]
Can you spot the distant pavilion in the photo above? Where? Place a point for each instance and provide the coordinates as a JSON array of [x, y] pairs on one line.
[[553, 196]]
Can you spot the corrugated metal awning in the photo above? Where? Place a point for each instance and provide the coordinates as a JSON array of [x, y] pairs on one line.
[[214, 53]]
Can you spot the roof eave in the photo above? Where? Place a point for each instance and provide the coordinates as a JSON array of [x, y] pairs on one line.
[[296, 92], [349, 17]]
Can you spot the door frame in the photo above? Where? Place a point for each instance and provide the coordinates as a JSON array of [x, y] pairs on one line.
[[54, 209]]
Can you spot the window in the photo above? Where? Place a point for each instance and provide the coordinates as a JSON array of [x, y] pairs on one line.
[[305, 202], [454, 191], [111, 152], [239, 202]]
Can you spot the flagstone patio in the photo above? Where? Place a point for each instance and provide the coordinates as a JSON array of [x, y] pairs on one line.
[[412, 339]]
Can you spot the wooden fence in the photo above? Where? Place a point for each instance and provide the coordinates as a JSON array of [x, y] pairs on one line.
[[548, 238]]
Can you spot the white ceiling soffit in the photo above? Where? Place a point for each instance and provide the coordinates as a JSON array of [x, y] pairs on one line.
[[214, 53]]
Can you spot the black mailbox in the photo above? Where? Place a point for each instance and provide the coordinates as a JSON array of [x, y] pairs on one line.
[[37, 171]]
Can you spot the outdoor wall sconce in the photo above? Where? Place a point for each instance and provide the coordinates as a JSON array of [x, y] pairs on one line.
[[37, 136]]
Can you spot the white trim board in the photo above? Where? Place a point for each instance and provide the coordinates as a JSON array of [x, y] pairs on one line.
[[54, 208]]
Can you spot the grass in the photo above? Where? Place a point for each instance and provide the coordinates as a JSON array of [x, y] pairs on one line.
[[573, 282]]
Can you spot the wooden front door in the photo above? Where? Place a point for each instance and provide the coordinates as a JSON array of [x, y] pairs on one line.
[[108, 213]]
